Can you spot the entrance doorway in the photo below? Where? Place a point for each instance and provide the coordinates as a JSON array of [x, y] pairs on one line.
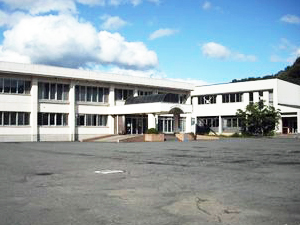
[[136, 124], [289, 125]]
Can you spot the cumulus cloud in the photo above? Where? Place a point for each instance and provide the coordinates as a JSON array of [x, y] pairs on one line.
[[112, 22], [132, 2], [92, 2], [162, 33], [114, 49], [206, 5], [292, 19], [64, 41], [218, 51], [35, 7]]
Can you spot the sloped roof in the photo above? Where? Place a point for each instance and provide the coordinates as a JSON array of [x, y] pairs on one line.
[[171, 98]]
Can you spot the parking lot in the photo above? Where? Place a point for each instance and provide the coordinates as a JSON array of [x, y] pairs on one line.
[[228, 181]]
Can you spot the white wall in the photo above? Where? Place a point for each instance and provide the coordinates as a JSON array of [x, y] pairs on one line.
[[288, 93], [15, 133], [15, 103]]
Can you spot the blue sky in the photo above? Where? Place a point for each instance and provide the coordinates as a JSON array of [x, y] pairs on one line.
[[211, 41]]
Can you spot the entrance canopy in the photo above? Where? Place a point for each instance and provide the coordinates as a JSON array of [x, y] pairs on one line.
[[170, 98]]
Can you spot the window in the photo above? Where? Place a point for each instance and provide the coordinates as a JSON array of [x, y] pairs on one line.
[[52, 119], [208, 121], [145, 93], [271, 98], [233, 97], [207, 99], [231, 122], [14, 86], [91, 94], [251, 97], [91, 120], [53, 91], [123, 94], [14, 118]]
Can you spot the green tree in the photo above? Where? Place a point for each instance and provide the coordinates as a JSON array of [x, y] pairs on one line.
[[258, 119]]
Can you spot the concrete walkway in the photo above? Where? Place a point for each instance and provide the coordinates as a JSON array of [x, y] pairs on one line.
[[116, 138]]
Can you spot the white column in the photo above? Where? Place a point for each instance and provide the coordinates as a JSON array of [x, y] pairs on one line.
[[34, 110], [189, 100], [72, 113], [298, 122], [111, 97], [219, 99], [188, 124], [135, 92], [195, 101], [111, 124], [279, 130], [266, 97], [246, 98], [256, 97], [220, 125], [151, 121]]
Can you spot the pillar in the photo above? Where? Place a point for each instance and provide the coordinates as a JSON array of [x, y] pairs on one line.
[[72, 112], [111, 124], [266, 97], [111, 97], [188, 124], [298, 122], [176, 122], [151, 121], [256, 97], [220, 125], [135, 92], [279, 130], [34, 110]]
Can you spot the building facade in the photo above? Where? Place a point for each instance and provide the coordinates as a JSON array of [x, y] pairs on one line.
[[216, 105], [44, 103]]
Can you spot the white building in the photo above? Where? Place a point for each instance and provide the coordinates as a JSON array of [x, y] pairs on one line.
[[216, 105], [44, 103]]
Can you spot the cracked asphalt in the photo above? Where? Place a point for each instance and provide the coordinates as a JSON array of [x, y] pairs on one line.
[[228, 181]]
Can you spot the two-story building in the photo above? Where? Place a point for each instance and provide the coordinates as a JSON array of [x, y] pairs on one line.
[[45, 103]]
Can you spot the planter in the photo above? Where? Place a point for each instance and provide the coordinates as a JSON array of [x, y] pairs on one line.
[[185, 137], [154, 137]]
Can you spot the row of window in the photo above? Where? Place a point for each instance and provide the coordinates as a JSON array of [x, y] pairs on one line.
[[14, 118], [91, 120], [14, 86], [53, 119], [210, 122], [53, 91], [91, 94], [214, 122], [233, 97], [123, 94], [207, 99]]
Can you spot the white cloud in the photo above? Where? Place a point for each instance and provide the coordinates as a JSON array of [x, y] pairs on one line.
[[206, 5], [162, 33], [11, 56], [112, 22], [290, 19], [10, 20], [64, 41], [35, 7], [92, 2], [215, 50], [115, 50], [218, 51]]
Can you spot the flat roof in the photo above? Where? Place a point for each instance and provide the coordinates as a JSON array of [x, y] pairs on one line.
[[80, 74]]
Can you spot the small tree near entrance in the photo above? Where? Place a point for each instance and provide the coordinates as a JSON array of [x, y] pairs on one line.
[[258, 119]]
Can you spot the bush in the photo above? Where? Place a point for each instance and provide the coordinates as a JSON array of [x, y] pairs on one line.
[[152, 131]]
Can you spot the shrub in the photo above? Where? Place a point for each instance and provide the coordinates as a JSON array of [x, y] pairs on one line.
[[152, 131]]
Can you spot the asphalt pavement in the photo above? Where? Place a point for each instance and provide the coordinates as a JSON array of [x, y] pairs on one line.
[[228, 181]]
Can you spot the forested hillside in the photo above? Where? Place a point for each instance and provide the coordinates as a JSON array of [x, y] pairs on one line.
[[290, 74]]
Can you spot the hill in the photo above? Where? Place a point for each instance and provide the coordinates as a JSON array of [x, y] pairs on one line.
[[290, 74]]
